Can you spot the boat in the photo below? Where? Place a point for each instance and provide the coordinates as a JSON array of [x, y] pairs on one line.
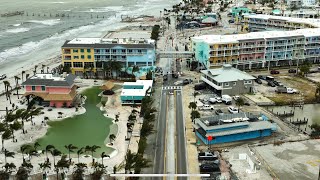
[[9, 14]]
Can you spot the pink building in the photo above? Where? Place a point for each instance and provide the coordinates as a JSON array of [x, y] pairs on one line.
[[56, 91]]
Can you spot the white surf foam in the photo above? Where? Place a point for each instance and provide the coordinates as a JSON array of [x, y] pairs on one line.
[[16, 25], [49, 22], [17, 30]]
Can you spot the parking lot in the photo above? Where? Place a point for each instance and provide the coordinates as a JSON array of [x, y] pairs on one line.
[[204, 99], [305, 89]]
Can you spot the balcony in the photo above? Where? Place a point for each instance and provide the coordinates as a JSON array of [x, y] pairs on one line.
[[66, 52], [211, 83], [67, 58]]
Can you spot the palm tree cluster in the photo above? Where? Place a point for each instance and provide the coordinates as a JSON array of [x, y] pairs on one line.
[[136, 161], [194, 113]]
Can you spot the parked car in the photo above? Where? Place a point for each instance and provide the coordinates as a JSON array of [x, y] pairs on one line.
[[170, 93], [246, 103], [209, 168], [269, 78], [206, 107], [257, 80], [282, 89], [233, 110], [262, 77], [212, 100], [270, 83], [200, 86], [3, 76], [207, 156], [219, 112], [236, 97], [226, 99], [231, 21], [274, 72], [187, 81], [165, 77], [292, 71]]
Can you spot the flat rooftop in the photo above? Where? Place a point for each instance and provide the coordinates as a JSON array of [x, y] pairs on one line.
[[137, 92], [134, 34]]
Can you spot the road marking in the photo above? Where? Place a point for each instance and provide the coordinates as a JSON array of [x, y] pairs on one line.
[[165, 144]]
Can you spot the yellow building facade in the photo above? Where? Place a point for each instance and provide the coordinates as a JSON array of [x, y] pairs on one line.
[[78, 59]]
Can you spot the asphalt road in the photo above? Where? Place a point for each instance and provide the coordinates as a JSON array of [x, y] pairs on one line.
[[161, 138], [180, 137]]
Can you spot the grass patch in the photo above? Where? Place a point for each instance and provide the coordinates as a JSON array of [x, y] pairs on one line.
[[306, 89]]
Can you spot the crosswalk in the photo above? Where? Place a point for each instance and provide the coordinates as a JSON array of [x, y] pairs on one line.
[[172, 87]]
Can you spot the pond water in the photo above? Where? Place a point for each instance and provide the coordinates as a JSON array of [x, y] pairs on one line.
[[90, 128], [309, 111]]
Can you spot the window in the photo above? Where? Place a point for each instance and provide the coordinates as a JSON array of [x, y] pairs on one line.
[[75, 57], [248, 82], [114, 51], [67, 64], [130, 50], [77, 64], [43, 88], [88, 50], [123, 50], [107, 50], [226, 84], [88, 64], [123, 57], [82, 50], [139, 51], [82, 56], [75, 50], [234, 83], [89, 56], [219, 84], [33, 88]]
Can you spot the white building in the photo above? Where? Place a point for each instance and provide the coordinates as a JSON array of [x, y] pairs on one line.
[[134, 92]]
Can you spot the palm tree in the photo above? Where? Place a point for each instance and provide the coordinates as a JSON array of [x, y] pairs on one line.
[[317, 93], [7, 154], [24, 148], [115, 66], [35, 69], [44, 166], [70, 149], [192, 105], [6, 135], [34, 112], [23, 115], [99, 170], [22, 73], [92, 149], [23, 173], [135, 69], [105, 69], [79, 172], [36, 145], [8, 93], [140, 162], [112, 137], [14, 127], [194, 114], [79, 152], [103, 155], [16, 78], [239, 103], [42, 68], [62, 163], [6, 87], [9, 168], [49, 148], [195, 94], [130, 161], [54, 153]]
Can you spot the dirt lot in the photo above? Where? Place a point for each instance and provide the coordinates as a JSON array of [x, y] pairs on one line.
[[306, 89], [297, 160]]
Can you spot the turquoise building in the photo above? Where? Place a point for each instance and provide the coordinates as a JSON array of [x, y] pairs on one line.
[[134, 92], [236, 10]]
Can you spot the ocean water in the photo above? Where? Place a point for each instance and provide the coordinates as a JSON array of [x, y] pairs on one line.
[[39, 33]]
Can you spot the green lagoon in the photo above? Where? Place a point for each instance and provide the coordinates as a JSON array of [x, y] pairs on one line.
[[90, 128]]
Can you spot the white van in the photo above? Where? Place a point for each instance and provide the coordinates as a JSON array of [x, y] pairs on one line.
[[226, 99]]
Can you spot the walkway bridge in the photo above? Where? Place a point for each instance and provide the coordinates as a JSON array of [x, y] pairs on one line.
[[174, 54]]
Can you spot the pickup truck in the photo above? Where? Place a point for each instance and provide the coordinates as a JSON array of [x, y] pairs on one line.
[[206, 107], [281, 89], [207, 156]]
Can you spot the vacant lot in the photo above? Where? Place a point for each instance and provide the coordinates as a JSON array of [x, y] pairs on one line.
[[296, 160], [306, 89]]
